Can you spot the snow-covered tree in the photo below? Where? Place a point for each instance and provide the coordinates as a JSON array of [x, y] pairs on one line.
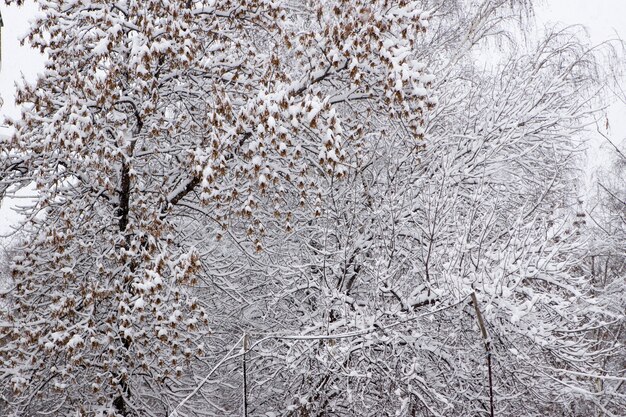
[[367, 309], [146, 110], [604, 220], [275, 184]]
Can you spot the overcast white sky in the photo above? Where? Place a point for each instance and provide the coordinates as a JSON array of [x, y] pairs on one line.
[[604, 19]]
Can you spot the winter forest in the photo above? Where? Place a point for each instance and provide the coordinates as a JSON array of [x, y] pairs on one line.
[[312, 208]]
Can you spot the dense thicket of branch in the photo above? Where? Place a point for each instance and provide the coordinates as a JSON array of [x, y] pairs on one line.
[[334, 180]]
